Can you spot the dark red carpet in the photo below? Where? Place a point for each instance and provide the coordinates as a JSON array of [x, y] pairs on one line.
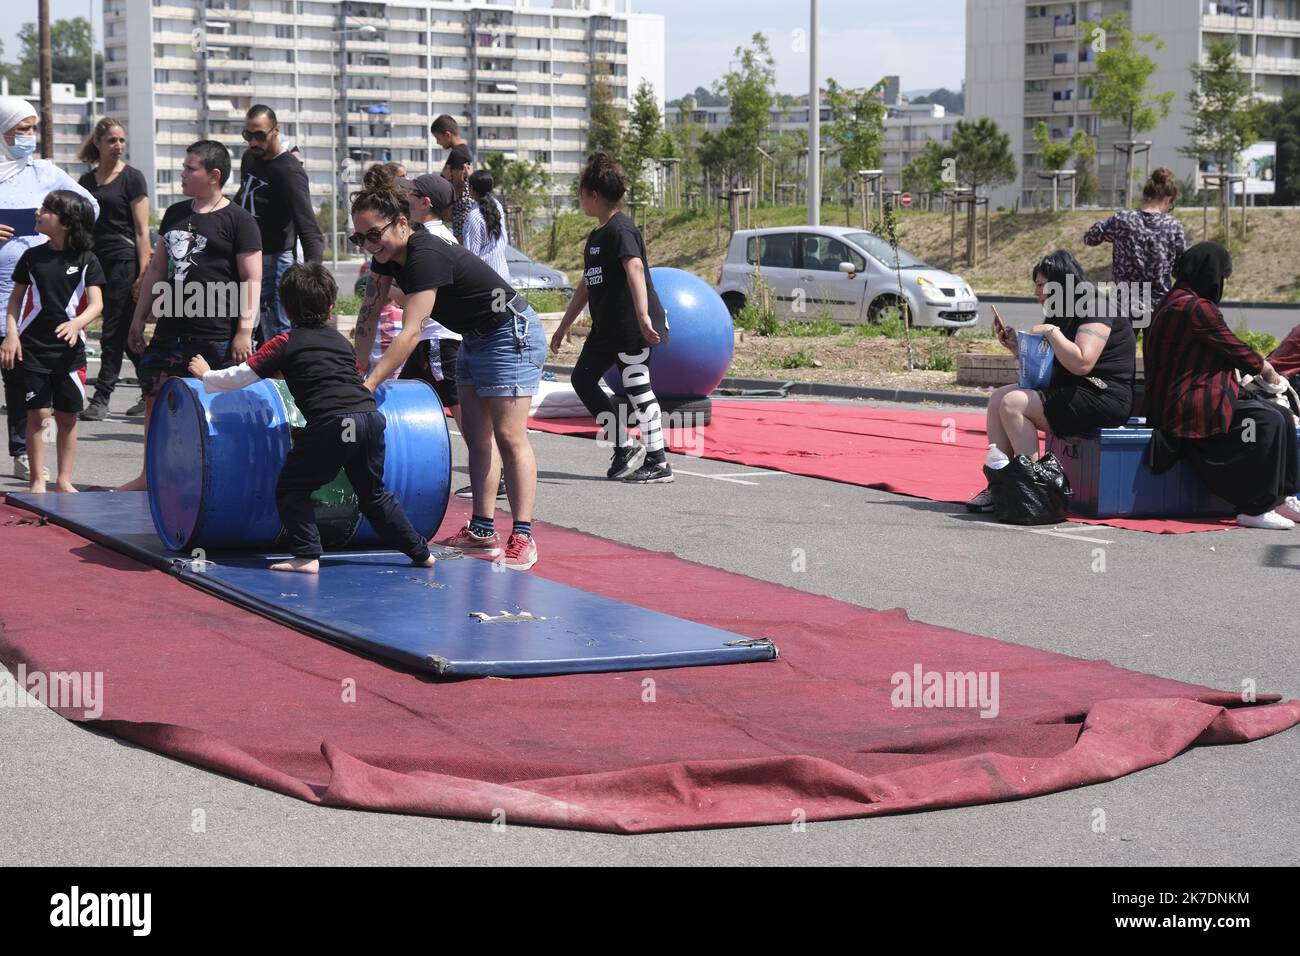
[[813, 732], [932, 455]]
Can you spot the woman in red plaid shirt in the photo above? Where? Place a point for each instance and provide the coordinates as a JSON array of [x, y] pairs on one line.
[[1244, 450]]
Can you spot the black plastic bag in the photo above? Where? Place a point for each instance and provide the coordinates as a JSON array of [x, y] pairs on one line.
[[1029, 492]]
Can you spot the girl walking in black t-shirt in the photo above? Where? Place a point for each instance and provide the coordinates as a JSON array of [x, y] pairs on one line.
[[624, 314], [58, 291], [498, 367], [122, 248]]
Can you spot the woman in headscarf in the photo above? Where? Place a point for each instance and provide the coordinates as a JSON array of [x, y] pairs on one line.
[[1244, 450], [1286, 357], [24, 183]]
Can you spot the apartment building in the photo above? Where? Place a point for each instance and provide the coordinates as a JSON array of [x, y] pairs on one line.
[[356, 82], [1027, 61], [75, 114], [908, 127]]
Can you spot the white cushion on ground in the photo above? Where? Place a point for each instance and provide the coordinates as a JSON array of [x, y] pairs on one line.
[[558, 400]]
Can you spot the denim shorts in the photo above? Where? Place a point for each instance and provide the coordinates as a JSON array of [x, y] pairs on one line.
[[169, 357], [504, 362]]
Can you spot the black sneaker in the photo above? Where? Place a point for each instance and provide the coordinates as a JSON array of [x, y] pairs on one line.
[[96, 411], [137, 408], [651, 473], [468, 490], [626, 459], [981, 503]]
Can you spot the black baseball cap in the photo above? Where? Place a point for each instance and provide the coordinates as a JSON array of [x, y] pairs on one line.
[[433, 188]]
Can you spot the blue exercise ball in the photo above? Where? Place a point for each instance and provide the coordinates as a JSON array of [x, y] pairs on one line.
[[700, 339]]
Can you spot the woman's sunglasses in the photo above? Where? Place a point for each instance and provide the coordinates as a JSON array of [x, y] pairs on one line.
[[259, 135], [359, 239]]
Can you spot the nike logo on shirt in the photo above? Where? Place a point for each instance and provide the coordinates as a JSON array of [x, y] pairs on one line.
[[72, 270]]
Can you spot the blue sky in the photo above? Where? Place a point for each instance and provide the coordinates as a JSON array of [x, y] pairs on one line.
[[923, 41], [861, 40]]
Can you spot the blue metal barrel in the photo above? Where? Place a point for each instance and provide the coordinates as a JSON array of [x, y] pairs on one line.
[[214, 458]]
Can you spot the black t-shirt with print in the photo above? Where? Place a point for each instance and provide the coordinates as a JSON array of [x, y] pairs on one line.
[[276, 193], [471, 296], [320, 368], [614, 324], [203, 252], [57, 281], [115, 229]]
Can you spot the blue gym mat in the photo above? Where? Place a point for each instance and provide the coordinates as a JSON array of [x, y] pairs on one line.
[[460, 618]]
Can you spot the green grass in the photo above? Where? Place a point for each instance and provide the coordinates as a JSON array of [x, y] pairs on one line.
[[817, 328], [799, 359], [753, 318], [546, 300], [347, 305]]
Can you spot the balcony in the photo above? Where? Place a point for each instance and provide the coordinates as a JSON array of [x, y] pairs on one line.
[[1038, 103], [1276, 64], [1039, 28], [1039, 65]]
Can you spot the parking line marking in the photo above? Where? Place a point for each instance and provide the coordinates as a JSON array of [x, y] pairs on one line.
[[696, 474], [1048, 531]]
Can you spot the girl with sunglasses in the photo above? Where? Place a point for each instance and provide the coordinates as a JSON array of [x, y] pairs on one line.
[[498, 367]]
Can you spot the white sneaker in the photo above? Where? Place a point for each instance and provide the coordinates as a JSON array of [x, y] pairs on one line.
[[23, 469], [1290, 508], [1269, 521]]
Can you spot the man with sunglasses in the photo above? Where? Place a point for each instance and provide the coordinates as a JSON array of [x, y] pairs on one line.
[[273, 188]]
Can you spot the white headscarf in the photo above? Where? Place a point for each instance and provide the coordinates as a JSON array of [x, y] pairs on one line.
[[13, 110]]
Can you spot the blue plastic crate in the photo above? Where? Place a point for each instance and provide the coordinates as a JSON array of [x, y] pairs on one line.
[[1110, 479]]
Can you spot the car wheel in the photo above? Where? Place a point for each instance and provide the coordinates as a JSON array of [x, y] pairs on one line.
[[734, 302], [875, 312]]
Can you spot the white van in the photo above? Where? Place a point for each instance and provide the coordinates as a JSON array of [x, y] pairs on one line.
[[842, 272]]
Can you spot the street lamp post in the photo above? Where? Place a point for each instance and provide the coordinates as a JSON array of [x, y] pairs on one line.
[[814, 123]]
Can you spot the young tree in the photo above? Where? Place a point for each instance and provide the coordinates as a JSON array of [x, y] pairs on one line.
[[750, 94], [981, 156], [857, 125], [1078, 149], [642, 142], [605, 127], [1120, 89], [521, 183], [1224, 115]]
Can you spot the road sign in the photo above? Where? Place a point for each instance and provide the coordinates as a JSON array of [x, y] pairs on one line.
[[905, 199]]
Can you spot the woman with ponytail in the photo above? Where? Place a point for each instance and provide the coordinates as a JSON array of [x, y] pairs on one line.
[[1146, 243], [123, 249], [498, 367], [485, 227], [627, 319]]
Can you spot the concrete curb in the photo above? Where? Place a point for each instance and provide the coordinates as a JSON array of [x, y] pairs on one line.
[[835, 391], [1030, 300]]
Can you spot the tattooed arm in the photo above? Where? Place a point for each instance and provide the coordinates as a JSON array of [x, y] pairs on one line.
[[363, 335]]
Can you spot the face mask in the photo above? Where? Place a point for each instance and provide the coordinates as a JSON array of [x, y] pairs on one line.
[[23, 147]]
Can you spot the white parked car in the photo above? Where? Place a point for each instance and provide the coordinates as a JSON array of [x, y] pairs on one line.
[[842, 272]]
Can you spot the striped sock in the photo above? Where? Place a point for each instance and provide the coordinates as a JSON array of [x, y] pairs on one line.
[[524, 527], [481, 526]]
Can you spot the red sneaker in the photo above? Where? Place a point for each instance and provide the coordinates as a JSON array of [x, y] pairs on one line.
[[521, 552], [470, 543]]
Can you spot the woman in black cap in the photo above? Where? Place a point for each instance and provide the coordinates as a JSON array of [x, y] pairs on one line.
[[1244, 450]]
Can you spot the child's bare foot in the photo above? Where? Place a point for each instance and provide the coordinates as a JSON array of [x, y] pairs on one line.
[[428, 562], [65, 486], [135, 484], [301, 565], [36, 488]]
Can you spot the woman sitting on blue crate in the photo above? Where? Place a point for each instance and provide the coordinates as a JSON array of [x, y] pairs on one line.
[[1243, 449], [1093, 365]]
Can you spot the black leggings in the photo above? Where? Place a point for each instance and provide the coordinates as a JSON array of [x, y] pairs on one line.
[[119, 308], [354, 442], [592, 364]]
